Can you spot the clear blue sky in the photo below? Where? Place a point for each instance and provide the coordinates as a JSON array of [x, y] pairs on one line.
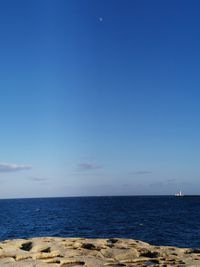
[[99, 97]]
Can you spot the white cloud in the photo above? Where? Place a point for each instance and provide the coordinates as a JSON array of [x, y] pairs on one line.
[[10, 167], [38, 179], [88, 166], [140, 172]]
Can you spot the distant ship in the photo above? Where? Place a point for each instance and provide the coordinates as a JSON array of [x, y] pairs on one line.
[[179, 194]]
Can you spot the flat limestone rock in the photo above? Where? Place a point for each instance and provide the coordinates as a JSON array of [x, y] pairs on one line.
[[77, 252]]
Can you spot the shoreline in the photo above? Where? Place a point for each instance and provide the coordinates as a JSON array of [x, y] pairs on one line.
[[115, 252]]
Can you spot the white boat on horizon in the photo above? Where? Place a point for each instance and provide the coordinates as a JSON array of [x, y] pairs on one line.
[[179, 194]]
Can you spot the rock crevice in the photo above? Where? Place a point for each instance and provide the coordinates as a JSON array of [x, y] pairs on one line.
[[76, 252]]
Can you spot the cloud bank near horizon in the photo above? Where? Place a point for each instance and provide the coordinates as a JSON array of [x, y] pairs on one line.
[[11, 167]]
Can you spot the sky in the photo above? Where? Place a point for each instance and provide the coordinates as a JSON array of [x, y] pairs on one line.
[[99, 97]]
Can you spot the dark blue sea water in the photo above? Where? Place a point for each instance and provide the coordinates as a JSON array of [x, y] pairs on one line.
[[158, 220]]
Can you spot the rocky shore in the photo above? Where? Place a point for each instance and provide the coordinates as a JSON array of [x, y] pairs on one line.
[[113, 252]]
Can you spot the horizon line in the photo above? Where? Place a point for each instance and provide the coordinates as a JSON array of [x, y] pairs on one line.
[[92, 196]]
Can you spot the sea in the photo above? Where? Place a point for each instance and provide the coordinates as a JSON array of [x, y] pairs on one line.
[[159, 220]]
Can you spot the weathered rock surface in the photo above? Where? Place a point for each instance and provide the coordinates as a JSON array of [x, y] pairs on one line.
[[71, 252]]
